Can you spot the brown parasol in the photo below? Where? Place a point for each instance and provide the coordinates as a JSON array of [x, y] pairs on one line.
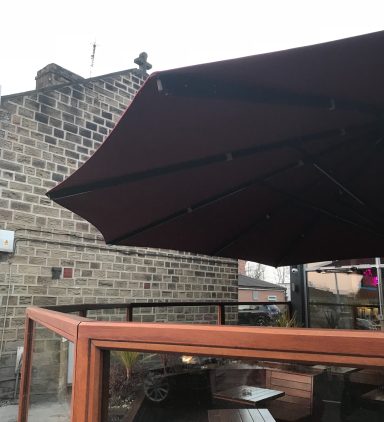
[[275, 158]]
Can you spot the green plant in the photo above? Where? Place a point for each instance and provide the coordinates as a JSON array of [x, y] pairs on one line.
[[332, 319], [128, 359], [285, 320]]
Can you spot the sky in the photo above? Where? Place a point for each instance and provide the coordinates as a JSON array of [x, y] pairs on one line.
[[174, 33]]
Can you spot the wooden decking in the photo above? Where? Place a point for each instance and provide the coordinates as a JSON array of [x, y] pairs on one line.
[[149, 412], [240, 415]]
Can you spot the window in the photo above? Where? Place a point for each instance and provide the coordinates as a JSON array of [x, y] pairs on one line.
[[272, 298], [255, 294]]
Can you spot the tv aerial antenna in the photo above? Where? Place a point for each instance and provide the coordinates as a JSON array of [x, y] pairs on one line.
[[94, 45]]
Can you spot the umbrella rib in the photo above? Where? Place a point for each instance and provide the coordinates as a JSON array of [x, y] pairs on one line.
[[192, 164], [194, 87], [305, 204], [325, 173], [202, 204], [254, 225], [223, 195], [296, 240], [340, 184], [328, 213], [337, 183], [248, 229]]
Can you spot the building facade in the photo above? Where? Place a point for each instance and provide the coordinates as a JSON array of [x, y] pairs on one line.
[[255, 290], [58, 258]]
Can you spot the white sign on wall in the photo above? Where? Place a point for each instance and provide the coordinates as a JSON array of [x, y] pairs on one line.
[[7, 238]]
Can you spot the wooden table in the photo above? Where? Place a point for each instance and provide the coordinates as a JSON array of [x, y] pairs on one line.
[[376, 395], [342, 372], [240, 415], [246, 394], [336, 370], [374, 400]]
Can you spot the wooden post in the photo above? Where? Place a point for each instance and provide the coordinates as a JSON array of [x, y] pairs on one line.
[[129, 317], [290, 310], [83, 313], [88, 390], [221, 314], [105, 384], [80, 385], [95, 391], [26, 371]]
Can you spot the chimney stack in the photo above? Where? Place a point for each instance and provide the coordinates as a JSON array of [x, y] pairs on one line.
[[241, 267], [54, 74]]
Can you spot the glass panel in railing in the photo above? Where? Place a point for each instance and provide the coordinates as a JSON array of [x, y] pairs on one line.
[[179, 387], [108, 314], [266, 314], [345, 298], [177, 313], [157, 387], [51, 382]]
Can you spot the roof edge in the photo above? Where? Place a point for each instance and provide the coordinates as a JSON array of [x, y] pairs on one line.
[[80, 81]]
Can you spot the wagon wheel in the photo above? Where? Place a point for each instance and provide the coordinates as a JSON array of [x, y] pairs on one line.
[[156, 387]]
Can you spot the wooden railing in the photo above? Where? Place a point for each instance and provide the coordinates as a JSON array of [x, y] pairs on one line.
[[93, 339]]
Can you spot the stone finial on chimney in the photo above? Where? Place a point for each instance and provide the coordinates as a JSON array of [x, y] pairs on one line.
[[141, 61]]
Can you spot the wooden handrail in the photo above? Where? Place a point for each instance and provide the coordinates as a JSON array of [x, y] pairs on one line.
[[347, 347], [62, 324], [299, 344]]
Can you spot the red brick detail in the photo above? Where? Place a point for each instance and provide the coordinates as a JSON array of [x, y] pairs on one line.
[[68, 273]]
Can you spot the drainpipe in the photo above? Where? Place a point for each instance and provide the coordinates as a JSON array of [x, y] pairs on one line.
[[380, 291], [299, 296]]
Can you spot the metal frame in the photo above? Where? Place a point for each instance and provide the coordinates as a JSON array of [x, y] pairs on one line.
[[380, 289]]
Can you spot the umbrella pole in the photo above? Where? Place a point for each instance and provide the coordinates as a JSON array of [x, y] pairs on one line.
[[380, 291]]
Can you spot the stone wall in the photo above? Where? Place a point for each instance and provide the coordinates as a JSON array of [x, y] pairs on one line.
[[44, 136], [49, 368]]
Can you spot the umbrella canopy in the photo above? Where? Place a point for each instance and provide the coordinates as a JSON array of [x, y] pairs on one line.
[[275, 158]]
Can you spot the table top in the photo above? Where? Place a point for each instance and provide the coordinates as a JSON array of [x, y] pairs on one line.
[[374, 395], [248, 394], [240, 415], [341, 370]]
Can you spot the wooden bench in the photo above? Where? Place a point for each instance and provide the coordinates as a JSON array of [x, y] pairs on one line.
[[240, 415], [299, 387]]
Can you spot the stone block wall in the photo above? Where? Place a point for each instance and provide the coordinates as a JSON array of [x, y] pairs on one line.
[[49, 368], [45, 135]]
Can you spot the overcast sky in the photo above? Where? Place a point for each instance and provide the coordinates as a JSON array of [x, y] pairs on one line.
[[174, 33]]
